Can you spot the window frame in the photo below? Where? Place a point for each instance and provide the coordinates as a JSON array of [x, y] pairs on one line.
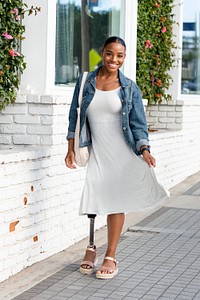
[[129, 14], [176, 72]]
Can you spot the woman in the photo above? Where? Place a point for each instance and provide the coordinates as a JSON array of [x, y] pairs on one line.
[[120, 177]]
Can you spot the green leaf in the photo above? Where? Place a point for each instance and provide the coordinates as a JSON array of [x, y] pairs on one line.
[[11, 66], [151, 20]]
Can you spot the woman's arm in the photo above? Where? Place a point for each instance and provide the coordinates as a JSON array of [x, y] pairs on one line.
[[138, 125], [69, 158], [137, 120], [150, 160], [73, 110]]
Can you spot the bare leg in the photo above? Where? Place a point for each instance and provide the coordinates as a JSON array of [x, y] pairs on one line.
[[114, 224]]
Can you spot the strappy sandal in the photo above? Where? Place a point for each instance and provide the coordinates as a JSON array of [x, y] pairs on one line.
[[91, 264], [112, 271]]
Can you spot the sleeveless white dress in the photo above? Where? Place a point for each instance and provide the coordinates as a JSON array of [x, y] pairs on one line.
[[117, 180]]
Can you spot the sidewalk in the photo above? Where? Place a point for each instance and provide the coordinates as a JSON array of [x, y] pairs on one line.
[[158, 254]]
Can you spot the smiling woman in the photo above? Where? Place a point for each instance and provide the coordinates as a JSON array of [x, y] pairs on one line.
[[78, 51], [113, 126]]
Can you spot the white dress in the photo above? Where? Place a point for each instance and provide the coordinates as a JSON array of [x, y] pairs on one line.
[[117, 180]]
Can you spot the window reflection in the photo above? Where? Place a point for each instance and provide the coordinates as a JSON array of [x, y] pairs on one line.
[[190, 48], [81, 28]]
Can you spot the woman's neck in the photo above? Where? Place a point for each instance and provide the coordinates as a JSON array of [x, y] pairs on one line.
[[105, 74], [107, 81]]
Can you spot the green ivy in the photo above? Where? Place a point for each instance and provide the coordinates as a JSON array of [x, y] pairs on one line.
[[12, 62], [155, 49]]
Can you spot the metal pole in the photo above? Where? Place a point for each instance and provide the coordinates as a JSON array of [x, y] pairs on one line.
[[91, 237]]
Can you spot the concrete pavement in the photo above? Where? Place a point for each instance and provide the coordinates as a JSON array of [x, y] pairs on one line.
[[158, 254]]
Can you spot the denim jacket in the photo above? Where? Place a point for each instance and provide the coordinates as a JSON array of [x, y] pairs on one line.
[[133, 121]]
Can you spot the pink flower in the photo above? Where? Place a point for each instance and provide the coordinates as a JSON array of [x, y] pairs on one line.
[[164, 29], [14, 11], [14, 53], [18, 17], [148, 44], [8, 36]]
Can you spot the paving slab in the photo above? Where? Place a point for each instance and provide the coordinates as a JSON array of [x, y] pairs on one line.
[[155, 262]]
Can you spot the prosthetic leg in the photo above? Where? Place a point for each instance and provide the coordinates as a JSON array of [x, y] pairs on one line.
[[87, 266], [91, 237]]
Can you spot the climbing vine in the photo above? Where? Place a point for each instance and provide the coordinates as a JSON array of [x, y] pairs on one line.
[[155, 49], [12, 61]]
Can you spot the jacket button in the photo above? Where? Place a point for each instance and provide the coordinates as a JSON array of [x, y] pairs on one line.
[[124, 128], [123, 113]]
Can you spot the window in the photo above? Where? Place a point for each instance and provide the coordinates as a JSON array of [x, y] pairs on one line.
[[191, 48], [81, 28]]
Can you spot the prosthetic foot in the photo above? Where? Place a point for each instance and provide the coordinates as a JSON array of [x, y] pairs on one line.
[[91, 258]]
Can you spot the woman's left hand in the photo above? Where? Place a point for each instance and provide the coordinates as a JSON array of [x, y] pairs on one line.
[[150, 160]]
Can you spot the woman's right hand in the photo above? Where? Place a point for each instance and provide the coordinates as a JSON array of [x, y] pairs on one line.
[[69, 159]]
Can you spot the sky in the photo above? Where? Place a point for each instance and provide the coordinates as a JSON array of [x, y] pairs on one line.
[[191, 13], [190, 10]]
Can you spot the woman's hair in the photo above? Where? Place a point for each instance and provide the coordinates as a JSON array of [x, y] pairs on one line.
[[114, 39]]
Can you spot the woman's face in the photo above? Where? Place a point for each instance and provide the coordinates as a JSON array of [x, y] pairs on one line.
[[113, 56]]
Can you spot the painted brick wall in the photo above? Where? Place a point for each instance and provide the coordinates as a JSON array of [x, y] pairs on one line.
[[35, 120], [39, 200], [167, 116], [39, 196]]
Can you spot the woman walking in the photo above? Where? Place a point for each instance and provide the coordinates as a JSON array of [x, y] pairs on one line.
[[120, 177]]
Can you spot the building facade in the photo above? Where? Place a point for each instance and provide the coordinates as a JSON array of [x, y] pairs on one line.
[[39, 196]]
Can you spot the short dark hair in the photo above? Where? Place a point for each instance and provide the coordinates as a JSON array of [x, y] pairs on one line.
[[114, 39]]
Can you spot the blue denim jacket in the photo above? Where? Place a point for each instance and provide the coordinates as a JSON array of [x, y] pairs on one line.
[[134, 124]]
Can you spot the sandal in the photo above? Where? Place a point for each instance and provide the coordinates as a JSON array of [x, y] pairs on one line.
[[112, 271], [91, 264]]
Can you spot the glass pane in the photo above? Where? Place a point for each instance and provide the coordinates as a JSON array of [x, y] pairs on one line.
[[191, 51], [81, 28]]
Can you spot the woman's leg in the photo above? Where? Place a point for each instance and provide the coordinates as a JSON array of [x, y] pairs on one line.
[[115, 224], [91, 251]]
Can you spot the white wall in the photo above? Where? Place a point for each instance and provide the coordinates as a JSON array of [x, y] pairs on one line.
[[35, 120], [39, 48], [175, 88], [130, 35]]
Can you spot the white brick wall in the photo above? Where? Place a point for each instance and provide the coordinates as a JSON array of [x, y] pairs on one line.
[[165, 116], [42, 195], [34, 120], [39, 196]]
